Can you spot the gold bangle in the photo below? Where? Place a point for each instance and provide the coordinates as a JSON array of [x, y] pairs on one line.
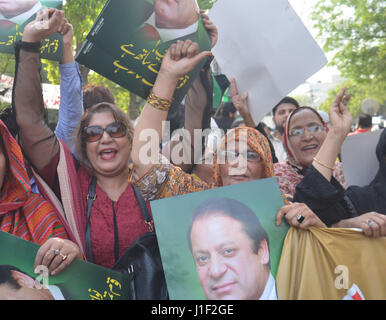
[[158, 103], [324, 165]]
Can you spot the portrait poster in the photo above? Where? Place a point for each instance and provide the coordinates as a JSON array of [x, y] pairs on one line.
[[80, 281], [12, 27], [126, 46], [173, 217]]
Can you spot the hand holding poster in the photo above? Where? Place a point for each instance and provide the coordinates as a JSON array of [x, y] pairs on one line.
[[80, 281], [129, 39], [223, 243], [16, 14]]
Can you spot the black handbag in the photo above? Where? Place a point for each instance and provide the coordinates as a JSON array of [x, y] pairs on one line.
[[141, 261]]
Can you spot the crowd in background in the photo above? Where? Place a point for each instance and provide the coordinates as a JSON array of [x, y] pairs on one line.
[[46, 172]]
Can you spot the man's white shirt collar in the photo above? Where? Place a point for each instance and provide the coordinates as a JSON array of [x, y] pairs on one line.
[[270, 289], [21, 18], [171, 34], [56, 293]]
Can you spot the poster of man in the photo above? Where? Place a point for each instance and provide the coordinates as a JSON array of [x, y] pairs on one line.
[[15, 15], [230, 249], [18, 285], [20, 279], [131, 37], [223, 243], [170, 20]]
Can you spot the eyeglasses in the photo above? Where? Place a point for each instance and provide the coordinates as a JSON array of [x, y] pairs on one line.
[[231, 155], [95, 133], [313, 128]]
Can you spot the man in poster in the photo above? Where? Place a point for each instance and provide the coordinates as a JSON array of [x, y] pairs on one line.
[[17, 12], [231, 252], [15, 15], [168, 20], [17, 285]]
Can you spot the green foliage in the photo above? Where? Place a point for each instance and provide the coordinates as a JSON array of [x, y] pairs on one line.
[[304, 100], [7, 64], [359, 92], [3, 105], [82, 14], [122, 96], [355, 30]]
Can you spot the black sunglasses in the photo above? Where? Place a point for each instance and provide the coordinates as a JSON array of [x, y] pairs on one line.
[[95, 133]]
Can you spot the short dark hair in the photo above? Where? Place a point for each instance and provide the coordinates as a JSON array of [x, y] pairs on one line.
[[235, 210], [93, 95], [6, 277], [365, 120], [228, 107], [285, 100], [8, 116]]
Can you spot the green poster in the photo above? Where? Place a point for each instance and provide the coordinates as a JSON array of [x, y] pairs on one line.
[[221, 243], [130, 37], [80, 281], [15, 15]]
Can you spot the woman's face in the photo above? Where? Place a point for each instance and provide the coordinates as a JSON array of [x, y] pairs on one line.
[[108, 156], [305, 146], [3, 168], [242, 169]]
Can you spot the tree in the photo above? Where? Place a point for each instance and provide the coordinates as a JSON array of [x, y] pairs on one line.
[[358, 92], [82, 15], [355, 30]]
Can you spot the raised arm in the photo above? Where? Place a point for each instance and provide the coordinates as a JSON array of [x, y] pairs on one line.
[[340, 125], [180, 59], [198, 105], [38, 141], [71, 100], [241, 104]]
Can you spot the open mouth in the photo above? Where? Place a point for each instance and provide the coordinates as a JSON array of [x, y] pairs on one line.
[[107, 154], [311, 147]]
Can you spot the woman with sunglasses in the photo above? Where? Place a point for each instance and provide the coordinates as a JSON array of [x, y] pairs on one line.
[[103, 142], [304, 133]]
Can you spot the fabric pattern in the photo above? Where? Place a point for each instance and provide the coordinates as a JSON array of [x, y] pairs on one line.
[[165, 180], [23, 213], [289, 175], [289, 172]]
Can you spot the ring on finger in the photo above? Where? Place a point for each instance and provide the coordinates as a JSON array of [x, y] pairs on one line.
[[56, 252], [64, 257], [369, 222], [299, 218]]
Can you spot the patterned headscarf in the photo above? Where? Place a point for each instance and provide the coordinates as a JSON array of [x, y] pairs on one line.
[[255, 140], [23, 213]]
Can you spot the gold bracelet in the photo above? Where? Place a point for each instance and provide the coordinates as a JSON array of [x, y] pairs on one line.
[[158, 103], [322, 164]]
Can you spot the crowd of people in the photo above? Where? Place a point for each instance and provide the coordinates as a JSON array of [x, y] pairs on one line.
[[95, 143]]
